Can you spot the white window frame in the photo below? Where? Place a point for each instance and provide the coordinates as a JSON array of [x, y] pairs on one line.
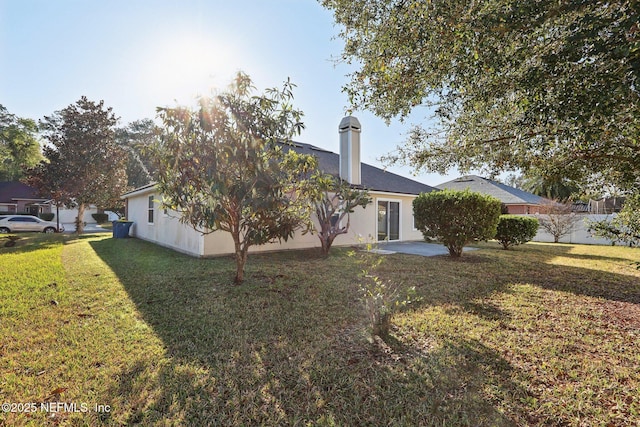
[[151, 210]]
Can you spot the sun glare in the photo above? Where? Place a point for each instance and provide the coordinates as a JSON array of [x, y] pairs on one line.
[[184, 67]]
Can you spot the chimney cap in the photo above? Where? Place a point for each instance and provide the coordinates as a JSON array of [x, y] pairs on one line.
[[349, 122]]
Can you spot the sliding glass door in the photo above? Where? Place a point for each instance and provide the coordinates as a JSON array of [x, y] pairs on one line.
[[388, 220]]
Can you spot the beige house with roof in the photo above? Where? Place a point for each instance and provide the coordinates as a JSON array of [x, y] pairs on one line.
[[389, 217]]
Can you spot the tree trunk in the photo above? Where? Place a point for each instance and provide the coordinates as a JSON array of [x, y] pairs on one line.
[[80, 219], [454, 251], [326, 240], [241, 258]]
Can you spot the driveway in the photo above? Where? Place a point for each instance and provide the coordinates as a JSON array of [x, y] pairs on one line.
[[416, 248], [89, 228]]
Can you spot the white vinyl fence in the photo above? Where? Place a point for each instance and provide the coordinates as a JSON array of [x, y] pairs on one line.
[[580, 233]]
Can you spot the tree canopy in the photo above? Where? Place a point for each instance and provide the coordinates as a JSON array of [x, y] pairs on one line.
[[137, 139], [19, 146], [513, 84], [222, 166], [84, 165]]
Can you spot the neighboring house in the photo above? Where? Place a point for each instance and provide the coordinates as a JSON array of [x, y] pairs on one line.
[[16, 197], [517, 201], [390, 216]]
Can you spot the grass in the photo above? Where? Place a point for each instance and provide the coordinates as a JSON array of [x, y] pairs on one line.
[[541, 335]]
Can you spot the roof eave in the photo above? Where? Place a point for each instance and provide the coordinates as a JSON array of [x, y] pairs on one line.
[[140, 190]]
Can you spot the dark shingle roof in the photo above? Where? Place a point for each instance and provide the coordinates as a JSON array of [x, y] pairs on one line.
[[11, 190], [506, 194], [373, 178]]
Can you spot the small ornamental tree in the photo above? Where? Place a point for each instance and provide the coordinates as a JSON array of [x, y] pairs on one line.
[[332, 200], [456, 218], [222, 166], [558, 219], [515, 230]]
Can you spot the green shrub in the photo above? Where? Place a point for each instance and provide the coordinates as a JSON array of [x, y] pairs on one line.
[[100, 218], [515, 230], [456, 218], [47, 216], [623, 228]]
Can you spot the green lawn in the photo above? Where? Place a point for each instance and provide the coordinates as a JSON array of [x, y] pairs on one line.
[[540, 335]]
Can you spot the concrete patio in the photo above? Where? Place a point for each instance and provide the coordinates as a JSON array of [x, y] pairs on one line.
[[415, 248]]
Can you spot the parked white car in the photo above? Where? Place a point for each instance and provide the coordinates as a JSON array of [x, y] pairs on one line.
[[15, 223]]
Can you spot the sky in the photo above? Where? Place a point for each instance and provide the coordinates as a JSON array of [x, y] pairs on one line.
[[138, 55]]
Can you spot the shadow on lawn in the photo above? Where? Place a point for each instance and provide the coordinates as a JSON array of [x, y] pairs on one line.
[[543, 272], [285, 348], [30, 242], [480, 274]]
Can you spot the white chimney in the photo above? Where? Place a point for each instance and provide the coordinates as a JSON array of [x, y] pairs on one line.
[[350, 170]]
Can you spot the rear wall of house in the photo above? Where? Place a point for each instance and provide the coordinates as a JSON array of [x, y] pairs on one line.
[[166, 230], [362, 229]]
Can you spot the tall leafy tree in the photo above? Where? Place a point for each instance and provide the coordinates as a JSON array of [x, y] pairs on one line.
[[84, 165], [137, 139], [513, 84], [223, 168], [550, 187], [19, 146]]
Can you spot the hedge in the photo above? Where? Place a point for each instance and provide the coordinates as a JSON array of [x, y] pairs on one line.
[[515, 230], [47, 216], [100, 218]]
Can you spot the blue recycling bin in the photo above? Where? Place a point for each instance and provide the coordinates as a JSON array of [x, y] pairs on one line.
[[121, 229]]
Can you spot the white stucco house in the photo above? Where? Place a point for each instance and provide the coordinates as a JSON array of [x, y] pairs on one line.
[[390, 216]]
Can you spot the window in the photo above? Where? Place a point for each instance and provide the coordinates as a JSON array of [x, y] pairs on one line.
[[150, 217], [23, 219]]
